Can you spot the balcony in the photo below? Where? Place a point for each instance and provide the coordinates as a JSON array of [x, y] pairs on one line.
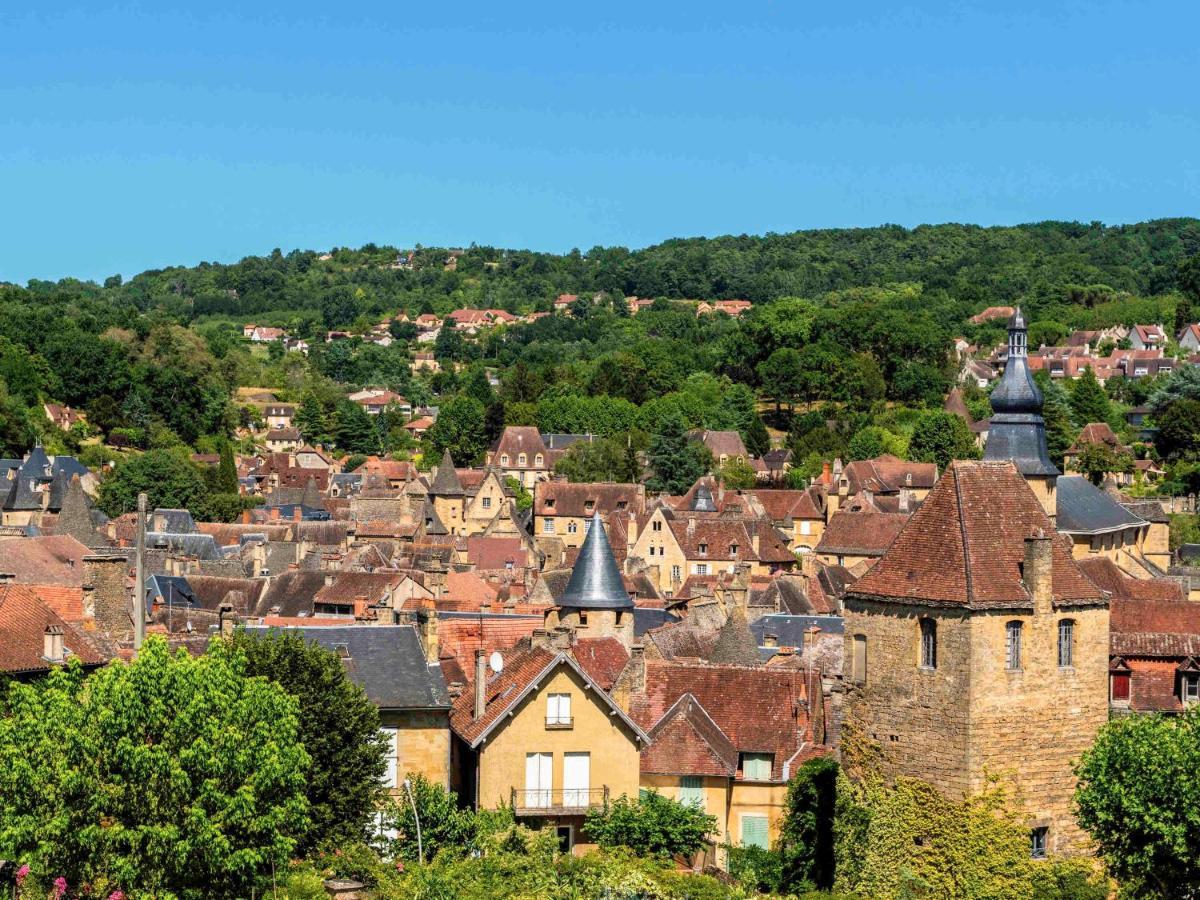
[[565, 802]]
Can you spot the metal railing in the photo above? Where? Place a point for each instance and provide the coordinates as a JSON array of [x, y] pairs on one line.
[[545, 801]]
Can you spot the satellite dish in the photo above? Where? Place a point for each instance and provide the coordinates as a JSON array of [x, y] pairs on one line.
[[496, 662]]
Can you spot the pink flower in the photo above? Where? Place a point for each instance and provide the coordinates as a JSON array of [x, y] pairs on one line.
[[60, 887], [117, 895], [22, 874]]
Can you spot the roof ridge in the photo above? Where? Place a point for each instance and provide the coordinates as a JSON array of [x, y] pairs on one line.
[[962, 527]]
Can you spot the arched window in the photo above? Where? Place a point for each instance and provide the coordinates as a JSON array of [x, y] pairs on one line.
[[928, 644], [521, 459], [1012, 646], [539, 460], [858, 672], [504, 459]]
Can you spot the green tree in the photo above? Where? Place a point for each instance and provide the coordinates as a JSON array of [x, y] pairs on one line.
[[1089, 403], [597, 460], [806, 837], [1097, 460], [676, 460], [172, 775], [443, 823], [782, 376], [227, 476], [1183, 384], [460, 429], [1056, 411], [1140, 801], [339, 727], [354, 430], [738, 475], [1178, 434], [867, 443], [311, 419], [520, 493], [652, 825], [940, 437], [168, 477], [756, 436]]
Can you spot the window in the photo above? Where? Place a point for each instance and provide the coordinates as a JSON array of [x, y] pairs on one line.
[[1119, 683], [805, 526], [675, 573], [656, 525], [733, 549], [691, 790], [858, 673], [583, 617], [1189, 687], [539, 461], [549, 503], [928, 644], [558, 711], [589, 505], [504, 459], [701, 569], [1012, 646], [1037, 842], [572, 527], [521, 459], [389, 734], [538, 779], [703, 549], [547, 526], [757, 766], [487, 502], [754, 831], [1066, 644]]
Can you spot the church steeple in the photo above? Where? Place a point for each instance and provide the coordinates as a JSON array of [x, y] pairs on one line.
[[1017, 430]]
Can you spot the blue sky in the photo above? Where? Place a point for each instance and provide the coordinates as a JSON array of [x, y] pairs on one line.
[[135, 135]]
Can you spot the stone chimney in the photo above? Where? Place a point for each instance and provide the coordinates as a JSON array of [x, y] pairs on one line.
[[754, 541], [52, 644], [1036, 570], [905, 500], [691, 526], [427, 629], [631, 533], [105, 579], [480, 682]]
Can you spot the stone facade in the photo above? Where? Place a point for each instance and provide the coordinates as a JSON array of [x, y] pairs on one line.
[[107, 591]]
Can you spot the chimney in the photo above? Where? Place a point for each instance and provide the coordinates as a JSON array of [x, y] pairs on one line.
[[905, 499], [754, 542], [720, 491], [245, 517], [105, 576], [1036, 570], [274, 513], [297, 514], [637, 669], [631, 533], [226, 619], [691, 526], [480, 682], [826, 473], [52, 644]]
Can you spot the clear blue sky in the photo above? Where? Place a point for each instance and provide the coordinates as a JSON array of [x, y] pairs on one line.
[[140, 135]]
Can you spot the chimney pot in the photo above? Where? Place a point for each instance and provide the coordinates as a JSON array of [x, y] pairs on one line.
[[480, 682], [52, 644]]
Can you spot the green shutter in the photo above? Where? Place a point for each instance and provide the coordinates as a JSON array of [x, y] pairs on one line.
[[691, 790], [754, 832]]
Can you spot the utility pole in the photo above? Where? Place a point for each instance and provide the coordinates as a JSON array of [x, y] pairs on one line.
[[139, 585]]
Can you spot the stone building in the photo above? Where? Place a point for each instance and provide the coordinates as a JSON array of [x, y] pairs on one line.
[[595, 603], [977, 648]]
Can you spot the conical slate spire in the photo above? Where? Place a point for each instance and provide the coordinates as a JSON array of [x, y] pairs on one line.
[[445, 482], [595, 581], [1017, 430]]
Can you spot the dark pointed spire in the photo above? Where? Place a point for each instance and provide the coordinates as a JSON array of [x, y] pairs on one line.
[[1017, 430], [445, 482], [311, 497], [75, 517], [595, 581]]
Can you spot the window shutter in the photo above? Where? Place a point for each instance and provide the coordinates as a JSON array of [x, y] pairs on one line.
[[754, 832]]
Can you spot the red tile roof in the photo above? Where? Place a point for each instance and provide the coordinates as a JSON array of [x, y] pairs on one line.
[[1146, 627], [495, 553], [687, 741], [602, 658], [866, 533], [887, 474], [47, 559], [966, 544], [24, 617], [561, 498], [1105, 574], [782, 505]]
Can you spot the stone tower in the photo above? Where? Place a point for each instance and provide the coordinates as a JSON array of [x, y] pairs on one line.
[[449, 498], [1017, 431], [977, 647], [595, 602]]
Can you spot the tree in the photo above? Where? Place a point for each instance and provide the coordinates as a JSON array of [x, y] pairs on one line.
[[521, 495], [867, 443], [353, 430], [676, 460], [782, 376], [460, 429], [1096, 460], [478, 386], [168, 477], [1140, 801], [940, 437], [756, 436], [806, 837], [597, 460], [1056, 412], [738, 475], [653, 825], [1089, 403], [443, 823], [310, 418], [172, 774], [1178, 433], [339, 727], [1183, 384], [227, 476]]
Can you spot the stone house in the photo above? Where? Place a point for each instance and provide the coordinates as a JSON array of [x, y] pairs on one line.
[[977, 648], [856, 539], [521, 453], [563, 511]]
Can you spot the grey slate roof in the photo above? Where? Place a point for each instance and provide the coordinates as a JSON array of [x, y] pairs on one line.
[[446, 483], [175, 521], [1082, 508], [171, 590], [647, 617], [702, 500], [789, 630], [596, 581], [1017, 430], [201, 546], [386, 661]]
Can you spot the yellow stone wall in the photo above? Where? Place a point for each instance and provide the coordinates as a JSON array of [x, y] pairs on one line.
[[450, 511], [477, 516], [422, 743], [613, 747]]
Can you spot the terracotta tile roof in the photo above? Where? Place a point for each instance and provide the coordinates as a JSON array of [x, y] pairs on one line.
[[1146, 627], [992, 312], [1096, 433], [723, 539], [760, 710], [48, 559], [230, 534], [966, 544], [517, 439], [521, 668], [1105, 574], [722, 443], [561, 498], [461, 636], [24, 617], [687, 741], [887, 474], [495, 553], [783, 505], [602, 658], [347, 586], [866, 533], [391, 469]]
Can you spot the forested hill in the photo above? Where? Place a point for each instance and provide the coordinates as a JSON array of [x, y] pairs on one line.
[[1041, 264]]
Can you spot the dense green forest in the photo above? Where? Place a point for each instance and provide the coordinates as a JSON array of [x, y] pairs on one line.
[[861, 320]]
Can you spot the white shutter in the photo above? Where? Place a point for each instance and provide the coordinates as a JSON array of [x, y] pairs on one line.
[[577, 778], [538, 778], [390, 734]]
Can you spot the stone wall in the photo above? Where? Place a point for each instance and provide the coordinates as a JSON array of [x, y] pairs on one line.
[[106, 578]]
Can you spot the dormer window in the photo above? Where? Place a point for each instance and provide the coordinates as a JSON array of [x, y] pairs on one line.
[[622, 504], [703, 549], [549, 503], [733, 549], [504, 459], [589, 505], [521, 458], [539, 461]]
